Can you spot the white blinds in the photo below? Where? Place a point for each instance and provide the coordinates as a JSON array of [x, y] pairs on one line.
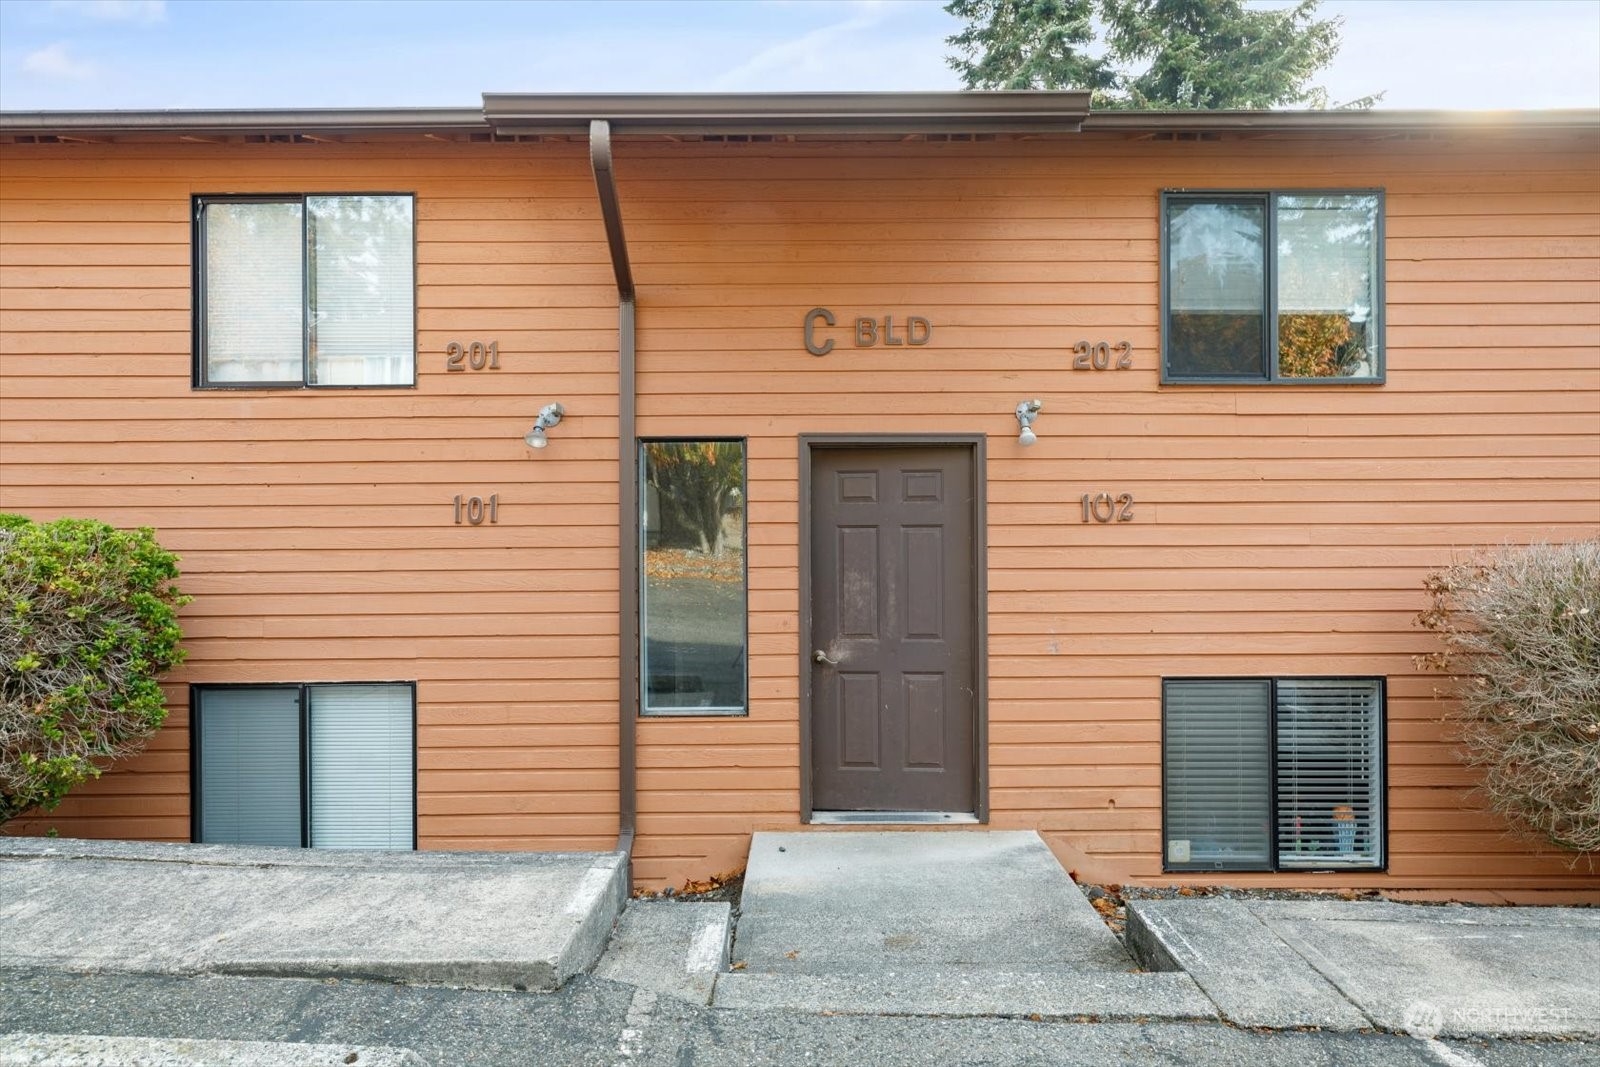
[[250, 766], [1216, 775], [361, 766], [254, 322], [1328, 784], [1327, 255], [361, 290]]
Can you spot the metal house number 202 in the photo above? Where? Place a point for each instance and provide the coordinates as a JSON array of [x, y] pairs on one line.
[[1100, 507], [474, 509]]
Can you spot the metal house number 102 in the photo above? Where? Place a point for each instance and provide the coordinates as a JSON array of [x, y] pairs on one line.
[[1100, 507]]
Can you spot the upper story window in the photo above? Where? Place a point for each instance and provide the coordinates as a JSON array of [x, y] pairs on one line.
[[305, 291], [1272, 287]]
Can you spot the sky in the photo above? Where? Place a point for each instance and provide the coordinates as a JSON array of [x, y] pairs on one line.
[[105, 54]]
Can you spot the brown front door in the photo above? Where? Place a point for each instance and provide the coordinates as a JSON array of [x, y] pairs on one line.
[[893, 592]]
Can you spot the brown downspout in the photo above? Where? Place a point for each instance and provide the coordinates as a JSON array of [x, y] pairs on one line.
[[605, 184]]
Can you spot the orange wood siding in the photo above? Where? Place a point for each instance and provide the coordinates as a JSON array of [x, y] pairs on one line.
[[1279, 530], [316, 527]]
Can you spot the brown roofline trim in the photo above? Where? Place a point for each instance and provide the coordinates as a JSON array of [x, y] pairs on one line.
[[816, 114], [317, 120]]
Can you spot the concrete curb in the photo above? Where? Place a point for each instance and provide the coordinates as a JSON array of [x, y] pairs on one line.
[[90, 1050], [973, 993]]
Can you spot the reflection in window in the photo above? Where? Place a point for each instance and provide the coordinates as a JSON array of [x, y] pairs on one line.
[[1273, 286], [692, 620]]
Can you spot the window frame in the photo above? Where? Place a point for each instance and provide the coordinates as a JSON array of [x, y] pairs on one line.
[[644, 710], [198, 378], [1275, 865], [1268, 199], [303, 689]]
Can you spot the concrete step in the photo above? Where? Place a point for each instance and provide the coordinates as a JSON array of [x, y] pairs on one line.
[[1058, 994], [850, 902], [670, 947]]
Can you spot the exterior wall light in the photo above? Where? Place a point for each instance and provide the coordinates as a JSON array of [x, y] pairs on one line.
[[549, 415], [1027, 411]]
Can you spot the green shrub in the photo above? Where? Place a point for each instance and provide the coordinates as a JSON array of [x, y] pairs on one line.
[[1521, 632], [88, 623]]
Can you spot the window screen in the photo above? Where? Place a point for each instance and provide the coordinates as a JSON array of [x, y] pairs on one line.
[[1217, 776]]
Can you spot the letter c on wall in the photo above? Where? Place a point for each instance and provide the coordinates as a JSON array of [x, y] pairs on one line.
[[811, 321]]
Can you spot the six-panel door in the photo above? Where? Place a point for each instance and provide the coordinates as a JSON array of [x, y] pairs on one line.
[[893, 707]]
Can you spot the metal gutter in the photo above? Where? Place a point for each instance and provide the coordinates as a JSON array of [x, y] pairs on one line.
[[605, 184], [791, 113], [701, 114], [317, 120], [1373, 121]]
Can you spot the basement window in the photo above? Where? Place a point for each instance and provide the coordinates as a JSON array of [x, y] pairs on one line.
[[304, 291], [1262, 774], [1272, 287], [305, 766], [693, 578]]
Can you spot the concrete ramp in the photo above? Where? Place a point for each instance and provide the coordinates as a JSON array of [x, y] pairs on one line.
[[835, 902], [479, 920]]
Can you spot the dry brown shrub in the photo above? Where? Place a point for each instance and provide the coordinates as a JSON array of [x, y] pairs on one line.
[[1521, 633]]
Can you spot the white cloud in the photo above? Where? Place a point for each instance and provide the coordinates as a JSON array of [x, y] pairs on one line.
[[54, 61], [115, 10]]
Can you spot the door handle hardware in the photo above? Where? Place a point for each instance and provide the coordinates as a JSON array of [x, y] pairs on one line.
[[822, 657]]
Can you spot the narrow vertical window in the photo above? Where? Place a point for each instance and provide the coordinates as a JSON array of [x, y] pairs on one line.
[[360, 290], [693, 581], [1327, 286]]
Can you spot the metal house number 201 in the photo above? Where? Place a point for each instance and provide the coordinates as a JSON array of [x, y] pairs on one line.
[[1101, 507], [474, 509]]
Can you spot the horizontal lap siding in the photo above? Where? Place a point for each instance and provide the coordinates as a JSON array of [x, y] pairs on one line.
[[1277, 530], [316, 527]]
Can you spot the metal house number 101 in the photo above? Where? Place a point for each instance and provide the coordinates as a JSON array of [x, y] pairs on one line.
[[475, 509]]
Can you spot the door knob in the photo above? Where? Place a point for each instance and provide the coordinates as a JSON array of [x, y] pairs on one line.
[[822, 657]]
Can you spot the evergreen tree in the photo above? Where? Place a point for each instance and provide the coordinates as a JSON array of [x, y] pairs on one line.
[[1027, 44], [1156, 54]]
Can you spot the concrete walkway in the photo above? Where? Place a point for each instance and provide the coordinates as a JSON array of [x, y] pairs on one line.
[[1426, 970], [474, 920], [949, 923]]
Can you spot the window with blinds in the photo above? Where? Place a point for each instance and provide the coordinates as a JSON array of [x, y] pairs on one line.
[[1272, 286], [322, 766], [1272, 774], [305, 291]]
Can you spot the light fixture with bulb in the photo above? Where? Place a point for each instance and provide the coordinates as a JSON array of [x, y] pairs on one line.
[[1027, 411], [549, 415]]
